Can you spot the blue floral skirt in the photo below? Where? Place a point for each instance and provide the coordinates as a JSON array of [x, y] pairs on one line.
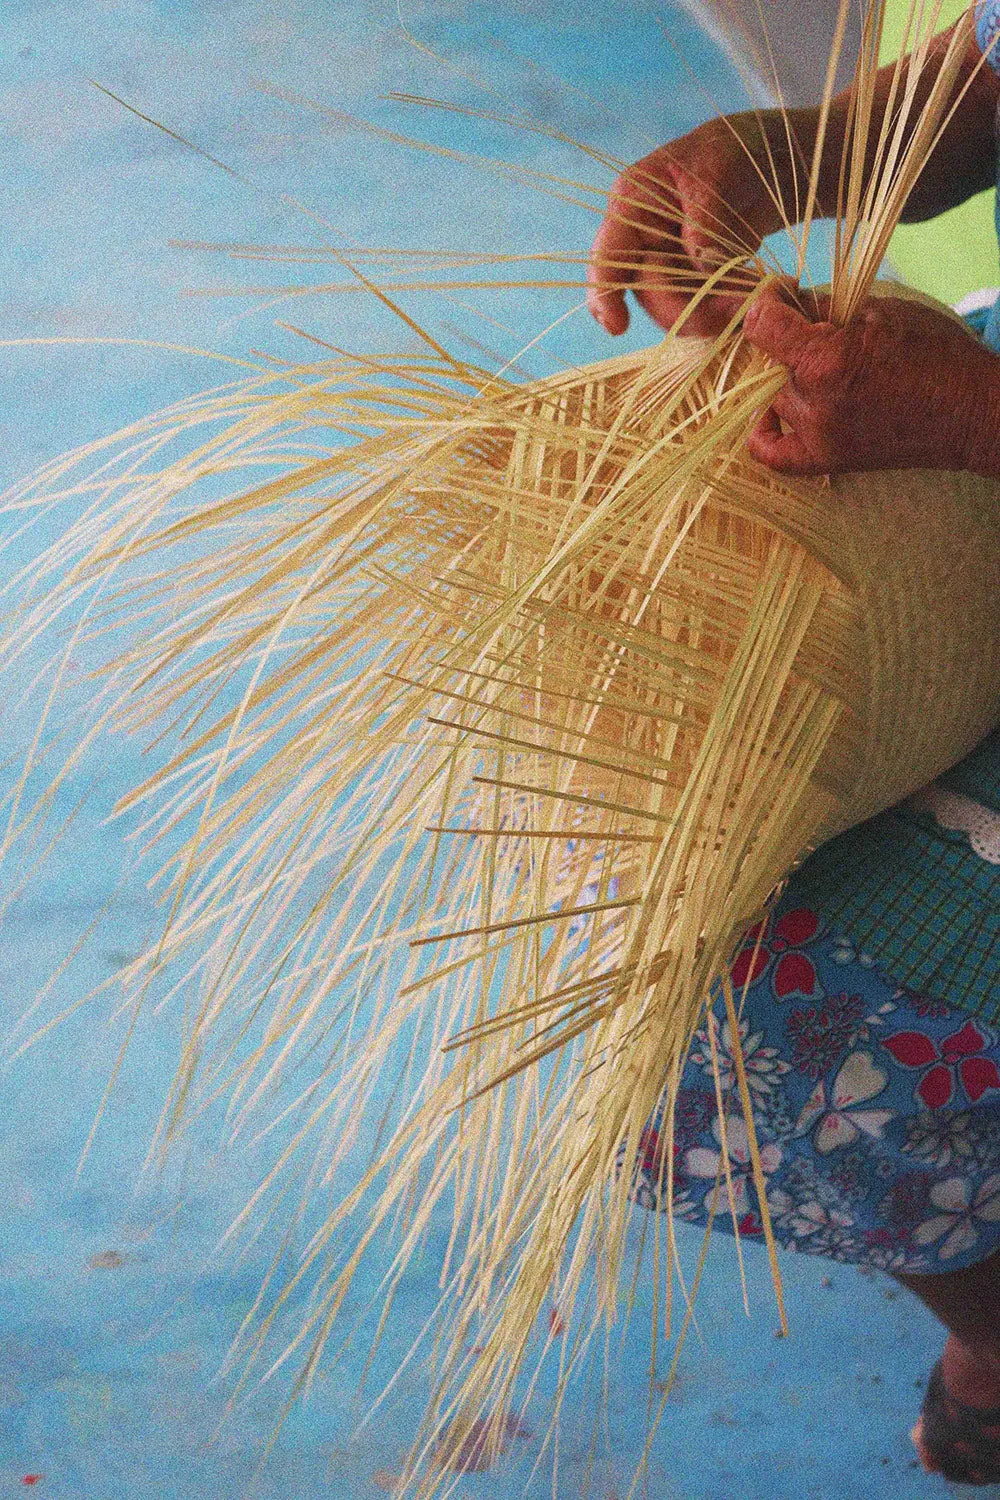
[[877, 1111]]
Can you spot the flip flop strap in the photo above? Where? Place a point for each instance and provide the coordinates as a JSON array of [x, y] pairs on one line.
[[964, 1440]]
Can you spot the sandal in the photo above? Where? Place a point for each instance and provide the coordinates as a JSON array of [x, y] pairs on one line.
[[964, 1441]]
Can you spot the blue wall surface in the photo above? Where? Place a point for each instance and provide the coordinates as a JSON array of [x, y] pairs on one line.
[[116, 1306]]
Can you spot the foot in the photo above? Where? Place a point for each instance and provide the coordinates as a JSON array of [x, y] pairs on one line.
[[958, 1431]]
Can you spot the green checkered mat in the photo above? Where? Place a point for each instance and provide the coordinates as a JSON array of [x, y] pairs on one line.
[[916, 896]]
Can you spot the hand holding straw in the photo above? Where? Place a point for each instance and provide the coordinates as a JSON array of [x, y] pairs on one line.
[[901, 386], [720, 190], [540, 692]]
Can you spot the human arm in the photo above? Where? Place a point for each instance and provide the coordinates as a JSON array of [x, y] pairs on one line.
[[720, 189]]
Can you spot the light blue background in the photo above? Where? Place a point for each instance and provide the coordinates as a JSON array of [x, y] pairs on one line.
[[114, 1313]]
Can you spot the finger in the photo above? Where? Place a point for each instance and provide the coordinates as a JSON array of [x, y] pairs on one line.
[[665, 286], [794, 410], [614, 258], [776, 328], [704, 248], [661, 304], [641, 214], [711, 316], [709, 235], [784, 451]]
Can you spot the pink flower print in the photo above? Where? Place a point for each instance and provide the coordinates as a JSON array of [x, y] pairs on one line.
[[779, 951], [684, 1206], [652, 1154], [941, 1066], [954, 1225], [821, 1034], [703, 1162], [923, 1006], [750, 1223], [763, 1064], [890, 1250], [838, 1119]]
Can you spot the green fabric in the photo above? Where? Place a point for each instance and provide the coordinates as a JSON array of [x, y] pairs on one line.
[[955, 253], [949, 256], [978, 775], [917, 898]]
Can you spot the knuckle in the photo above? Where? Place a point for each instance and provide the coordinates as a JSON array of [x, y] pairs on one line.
[[826, 366], [641, 177], [619, 189]]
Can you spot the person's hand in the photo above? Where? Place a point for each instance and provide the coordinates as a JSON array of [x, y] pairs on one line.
[[681, 212], [901, 386]]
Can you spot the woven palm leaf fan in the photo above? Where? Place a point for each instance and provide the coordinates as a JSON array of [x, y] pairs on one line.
[[496, 713]]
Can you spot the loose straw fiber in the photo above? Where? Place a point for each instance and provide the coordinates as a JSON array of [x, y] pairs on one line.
[[624, 676], [490, 731]]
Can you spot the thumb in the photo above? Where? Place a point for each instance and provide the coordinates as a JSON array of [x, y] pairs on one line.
[[780, 330], [785, 452]]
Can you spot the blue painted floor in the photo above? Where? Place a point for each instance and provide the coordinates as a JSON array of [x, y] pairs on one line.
[[116, 1308]]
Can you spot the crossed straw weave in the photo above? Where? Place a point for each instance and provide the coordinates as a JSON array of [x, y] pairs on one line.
[[493, 728]]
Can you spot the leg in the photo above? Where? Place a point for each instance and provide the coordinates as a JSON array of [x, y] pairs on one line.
[[968, 1377]]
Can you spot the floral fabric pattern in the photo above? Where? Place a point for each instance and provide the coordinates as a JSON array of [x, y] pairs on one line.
[[877, 1111]]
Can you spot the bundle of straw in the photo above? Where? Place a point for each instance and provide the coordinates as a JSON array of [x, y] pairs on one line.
[[541, 691]]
